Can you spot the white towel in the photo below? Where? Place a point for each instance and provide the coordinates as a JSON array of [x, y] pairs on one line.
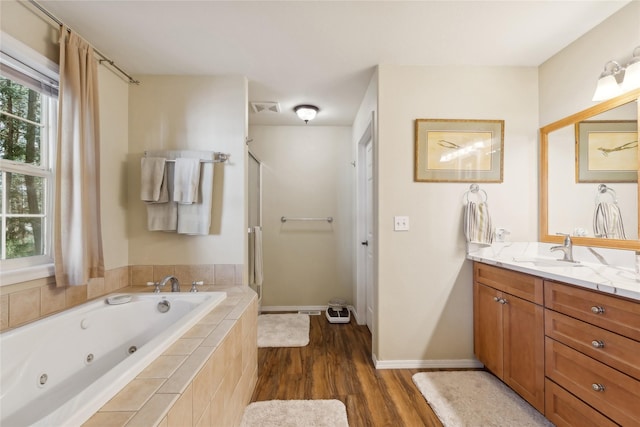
[[163, 216], [607, 221], [152, 178], [257, 256], [186, 180], [195, 218], [477, 223]]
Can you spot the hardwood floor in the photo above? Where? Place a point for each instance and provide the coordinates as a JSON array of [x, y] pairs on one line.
[[337, 365]]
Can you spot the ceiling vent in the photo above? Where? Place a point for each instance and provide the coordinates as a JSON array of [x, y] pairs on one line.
[[265, 107]]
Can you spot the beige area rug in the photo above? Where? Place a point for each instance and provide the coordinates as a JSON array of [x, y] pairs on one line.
[[475, 398], [283, 330], [295, 413]]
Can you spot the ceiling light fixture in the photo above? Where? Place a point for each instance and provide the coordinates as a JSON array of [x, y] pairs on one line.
[[306, 112], [608, 86]]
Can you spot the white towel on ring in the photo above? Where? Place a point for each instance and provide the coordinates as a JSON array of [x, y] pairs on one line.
[[607, 221], [477, 223]]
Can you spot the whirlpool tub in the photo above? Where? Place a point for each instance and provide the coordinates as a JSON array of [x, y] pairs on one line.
[[59, 370]]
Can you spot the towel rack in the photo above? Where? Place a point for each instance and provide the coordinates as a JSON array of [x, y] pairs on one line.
[[475, 189], [329, 219], [218, 158], [604, 189]]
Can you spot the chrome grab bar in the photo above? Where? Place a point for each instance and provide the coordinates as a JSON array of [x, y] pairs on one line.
[[329, 219]]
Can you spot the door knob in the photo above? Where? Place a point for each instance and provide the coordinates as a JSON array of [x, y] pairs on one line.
[[365, 243]]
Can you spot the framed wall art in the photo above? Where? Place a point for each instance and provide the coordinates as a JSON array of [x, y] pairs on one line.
[[607, 151], [451, 150]]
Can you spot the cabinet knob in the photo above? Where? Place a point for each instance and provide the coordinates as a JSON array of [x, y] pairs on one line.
[[503, 301], [597, 343], [597, 387], [496, 299], [597, 309]]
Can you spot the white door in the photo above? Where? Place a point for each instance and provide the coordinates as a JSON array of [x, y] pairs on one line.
[[368, 243]]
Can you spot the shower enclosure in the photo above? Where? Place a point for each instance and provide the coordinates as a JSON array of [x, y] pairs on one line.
[[255, 218]]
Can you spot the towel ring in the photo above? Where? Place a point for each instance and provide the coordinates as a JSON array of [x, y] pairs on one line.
[[603, 189], [475, 189]]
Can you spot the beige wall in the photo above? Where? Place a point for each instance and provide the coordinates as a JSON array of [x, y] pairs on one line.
[[190, 113], [22, 21], [306, 173], [114, 122], [424, 296], [568, 79]]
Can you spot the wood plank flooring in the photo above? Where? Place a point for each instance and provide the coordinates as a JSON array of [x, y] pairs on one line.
[[337, 365]]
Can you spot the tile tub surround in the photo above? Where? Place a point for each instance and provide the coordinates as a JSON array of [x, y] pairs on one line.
[[26, 302], [206, 378], [210, 274], [606, 270]]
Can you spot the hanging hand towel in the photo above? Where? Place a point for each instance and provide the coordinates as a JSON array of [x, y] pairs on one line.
[[152, 180], [477, 223], [195, 218], [162, 214], [186, 180], [607, 221], [257, 256]]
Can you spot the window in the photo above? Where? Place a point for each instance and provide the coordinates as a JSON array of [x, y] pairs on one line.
[[28, 106]]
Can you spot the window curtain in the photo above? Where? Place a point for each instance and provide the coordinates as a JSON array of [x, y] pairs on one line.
[[77, 229]]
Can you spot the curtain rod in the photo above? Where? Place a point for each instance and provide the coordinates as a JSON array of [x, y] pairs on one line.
[[104, 57]]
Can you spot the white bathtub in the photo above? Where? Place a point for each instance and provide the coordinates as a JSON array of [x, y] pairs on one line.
[[85, 355]]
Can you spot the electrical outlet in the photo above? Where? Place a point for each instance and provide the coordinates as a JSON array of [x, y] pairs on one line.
[[400, 223]]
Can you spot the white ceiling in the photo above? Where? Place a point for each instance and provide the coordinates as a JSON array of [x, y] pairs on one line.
[[324, 52]]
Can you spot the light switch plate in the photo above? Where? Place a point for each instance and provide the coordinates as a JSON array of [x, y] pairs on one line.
[[400, 223]]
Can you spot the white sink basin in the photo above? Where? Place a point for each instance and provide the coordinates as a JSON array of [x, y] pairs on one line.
[[547, 262]]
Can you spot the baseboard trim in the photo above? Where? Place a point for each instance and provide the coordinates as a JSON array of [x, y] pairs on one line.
[[293, 308], [296, 308], [427, 364]]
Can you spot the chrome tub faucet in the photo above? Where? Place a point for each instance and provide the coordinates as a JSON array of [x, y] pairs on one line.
[[175, 285]]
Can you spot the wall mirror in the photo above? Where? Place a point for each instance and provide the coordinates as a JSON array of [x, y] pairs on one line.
[[589, 164]]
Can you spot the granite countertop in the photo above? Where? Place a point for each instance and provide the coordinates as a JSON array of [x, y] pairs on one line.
[[606, 270]]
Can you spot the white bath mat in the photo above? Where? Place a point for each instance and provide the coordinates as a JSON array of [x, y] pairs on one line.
[[475, 398], [295, 413], [283, 330]]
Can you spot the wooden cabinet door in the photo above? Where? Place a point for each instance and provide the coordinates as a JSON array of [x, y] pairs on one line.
[[487, 327], [523, 365]]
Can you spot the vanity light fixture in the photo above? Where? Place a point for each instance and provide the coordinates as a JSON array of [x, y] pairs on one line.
[[632, 72], [608, 86], [306, 112]]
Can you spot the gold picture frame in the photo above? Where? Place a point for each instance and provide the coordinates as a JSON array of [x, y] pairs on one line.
[[607, 151], [452, 150]]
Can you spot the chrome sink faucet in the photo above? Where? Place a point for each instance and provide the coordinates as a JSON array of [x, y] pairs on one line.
[[175, 285], [566, 248]]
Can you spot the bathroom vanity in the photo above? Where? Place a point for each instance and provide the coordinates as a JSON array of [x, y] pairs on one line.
[[564, 337]]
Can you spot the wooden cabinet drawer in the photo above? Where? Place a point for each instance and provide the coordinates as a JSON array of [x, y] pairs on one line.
[[578, 374], [612, 349], [565, 410], [519, 284], [612, 313]]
